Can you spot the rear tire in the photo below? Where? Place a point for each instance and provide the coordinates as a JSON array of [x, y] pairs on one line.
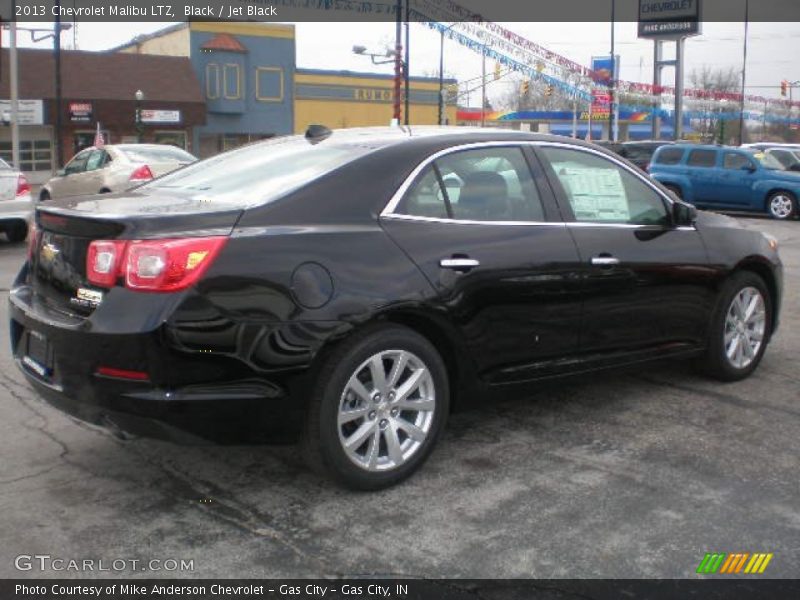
[[17, 232], [378, 405], [782, 205], [740, 328]]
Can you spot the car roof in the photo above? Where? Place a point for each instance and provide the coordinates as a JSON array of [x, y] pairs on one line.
[[425, 135]]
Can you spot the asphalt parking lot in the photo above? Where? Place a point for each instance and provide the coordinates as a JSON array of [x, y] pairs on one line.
[[624, 475]]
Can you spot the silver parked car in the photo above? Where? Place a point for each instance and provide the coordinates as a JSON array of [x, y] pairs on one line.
[[114, 168], [16, 204]]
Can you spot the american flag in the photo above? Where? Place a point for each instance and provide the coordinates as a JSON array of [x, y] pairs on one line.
[[99, 142]]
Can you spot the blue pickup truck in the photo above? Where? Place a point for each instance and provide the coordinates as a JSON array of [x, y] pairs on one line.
[[728, 178]]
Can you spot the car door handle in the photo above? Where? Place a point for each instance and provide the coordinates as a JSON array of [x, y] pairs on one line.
[[459, 263], [605, 261]]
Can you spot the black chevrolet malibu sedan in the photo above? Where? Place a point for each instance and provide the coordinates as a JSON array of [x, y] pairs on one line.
[[348, 286]]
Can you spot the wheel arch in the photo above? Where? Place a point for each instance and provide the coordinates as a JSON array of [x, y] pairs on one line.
[[774, 189], [760, 268], [434, 329]]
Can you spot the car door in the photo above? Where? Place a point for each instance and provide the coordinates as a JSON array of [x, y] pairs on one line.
[[92, 181], [646, 281], [737, 178], [71, 182], [501, 262], [701, 169]]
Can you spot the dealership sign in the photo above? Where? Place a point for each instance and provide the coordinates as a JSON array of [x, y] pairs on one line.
[[29, 112], [160, 116], [668, 19], [80, 111]]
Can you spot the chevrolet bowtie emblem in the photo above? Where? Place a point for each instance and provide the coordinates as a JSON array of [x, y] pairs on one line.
[[48, 252]]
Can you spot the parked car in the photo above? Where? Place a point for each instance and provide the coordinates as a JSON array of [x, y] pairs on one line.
[[16, 205], [334, 285], [728, 178], [639, 153], [787, 157], [114, 168]]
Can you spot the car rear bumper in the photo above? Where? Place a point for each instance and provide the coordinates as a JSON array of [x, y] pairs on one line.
[[248, 409]]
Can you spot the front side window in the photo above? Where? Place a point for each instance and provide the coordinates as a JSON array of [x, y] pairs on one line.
[[486, 184], [600, 191], [702, 158], [669, 156], [733, 160]]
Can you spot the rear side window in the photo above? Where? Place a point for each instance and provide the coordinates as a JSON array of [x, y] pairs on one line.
[[487, 184], [669, 156], [702, 158]]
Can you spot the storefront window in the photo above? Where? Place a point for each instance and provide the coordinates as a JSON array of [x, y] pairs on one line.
[[172, 138], [34, 155]]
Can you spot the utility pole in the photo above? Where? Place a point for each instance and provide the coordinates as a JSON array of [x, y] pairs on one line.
[[398, 60], [679, 44], [658, 48], [14, 77], [744, 71], [57, 51], [406, 62], [612, 134], [483, 85]]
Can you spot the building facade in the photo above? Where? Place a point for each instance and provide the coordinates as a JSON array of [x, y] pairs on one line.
[[97, 88], [253, 89]]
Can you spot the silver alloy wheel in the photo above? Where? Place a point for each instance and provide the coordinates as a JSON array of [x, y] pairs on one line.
[[781, 206], [745, 324], [386, 410]]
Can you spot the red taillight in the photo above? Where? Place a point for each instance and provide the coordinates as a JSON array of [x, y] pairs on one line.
[[23, 187], [103, 261], [169, 265], [165, 265], [122, 374], [142, 173]]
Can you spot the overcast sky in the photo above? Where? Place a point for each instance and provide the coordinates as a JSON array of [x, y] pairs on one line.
[[773, 48]]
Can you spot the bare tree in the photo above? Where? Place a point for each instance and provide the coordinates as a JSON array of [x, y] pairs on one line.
[[713, 127]]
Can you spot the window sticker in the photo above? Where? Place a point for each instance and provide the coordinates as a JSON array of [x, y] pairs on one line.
[[595, 194]]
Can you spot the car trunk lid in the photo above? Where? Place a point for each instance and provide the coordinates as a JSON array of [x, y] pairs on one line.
[[66, 229]]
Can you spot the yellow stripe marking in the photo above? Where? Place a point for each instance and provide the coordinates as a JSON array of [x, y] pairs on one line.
[[757, 564], [765, 563], [751, 563]]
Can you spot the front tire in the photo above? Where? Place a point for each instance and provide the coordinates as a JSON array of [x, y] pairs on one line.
[[782, 205], [44, 196], [740, 328], [378, 406]]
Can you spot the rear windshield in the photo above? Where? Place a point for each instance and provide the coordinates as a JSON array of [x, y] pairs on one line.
[[262, 172], [156, 154], [4, 166]]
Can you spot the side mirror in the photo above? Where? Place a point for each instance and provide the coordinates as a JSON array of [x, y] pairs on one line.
[[683, 214], [795, 167], [61, 173]]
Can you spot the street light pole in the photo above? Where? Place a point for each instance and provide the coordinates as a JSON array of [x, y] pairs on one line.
[[611, 126], [139, 97], [441, 71]]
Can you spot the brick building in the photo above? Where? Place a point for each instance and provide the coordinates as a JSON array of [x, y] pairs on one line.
[[98, 87]]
